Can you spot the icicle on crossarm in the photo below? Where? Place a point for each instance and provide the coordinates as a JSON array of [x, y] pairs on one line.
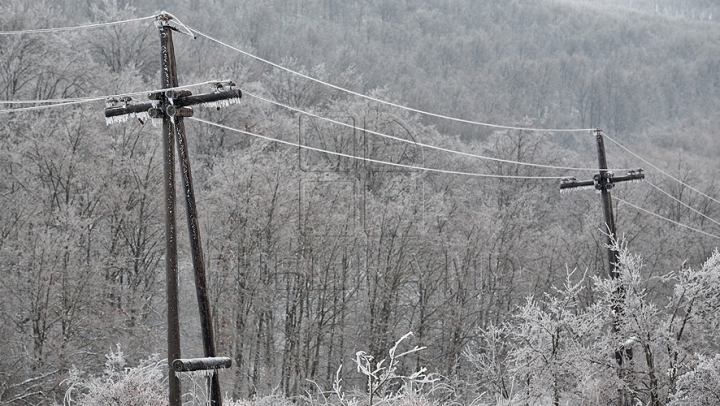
[[577, 188], [142, 116], [221, 103], [123, 108], [195, 374], [216, 99]]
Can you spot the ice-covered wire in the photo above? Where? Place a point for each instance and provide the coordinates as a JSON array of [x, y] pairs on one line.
[[417, 168], [40, 101], [665, 218], [80, 100], [660, 170], [371, 98], [681, 202], [73, 28], [47, 106], [421, 144]]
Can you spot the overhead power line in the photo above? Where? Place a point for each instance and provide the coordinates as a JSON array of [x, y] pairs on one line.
[[340, 154], [682, 203], [661, 171], [74, 28], [81, 100], [665, 218], [467, 154], [47, 106], [371, 98]]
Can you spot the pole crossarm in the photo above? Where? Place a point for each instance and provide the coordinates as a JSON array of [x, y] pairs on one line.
[[601, 182], [169, 102], [201, 364]]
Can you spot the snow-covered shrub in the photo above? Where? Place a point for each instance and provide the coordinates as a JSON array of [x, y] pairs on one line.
[[119, 386], [627, 346], [700, 386]]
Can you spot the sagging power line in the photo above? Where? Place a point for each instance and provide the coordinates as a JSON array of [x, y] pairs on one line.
[[188, 31], [340, 154], [662, 171], [385, 102], [76, 27], [419, 144]]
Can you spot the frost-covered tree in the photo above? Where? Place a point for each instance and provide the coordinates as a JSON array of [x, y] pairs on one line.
[[558, 352]]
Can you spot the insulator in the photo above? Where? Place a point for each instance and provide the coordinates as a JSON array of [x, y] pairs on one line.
[[218, 86], [155, 113], [173, 111], [111, 102]]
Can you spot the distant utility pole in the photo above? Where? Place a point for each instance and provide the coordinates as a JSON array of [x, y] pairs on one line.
[[171, 106], [603, 182]]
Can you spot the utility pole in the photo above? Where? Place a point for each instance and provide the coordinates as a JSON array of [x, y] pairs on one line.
[[603, 181], [171, 106]]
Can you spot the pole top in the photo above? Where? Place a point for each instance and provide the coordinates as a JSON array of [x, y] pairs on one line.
[[163, 19]]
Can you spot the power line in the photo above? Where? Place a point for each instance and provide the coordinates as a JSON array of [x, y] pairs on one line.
[[417, 168], [418, 143], [682, 203], [80, 100], [48, 106], [426, 113], [77, 27], [661, 171], [72, 101], [665, 218], [64, 100]]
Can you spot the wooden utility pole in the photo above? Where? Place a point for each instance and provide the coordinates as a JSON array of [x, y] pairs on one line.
[[603, 181], [171, 106]]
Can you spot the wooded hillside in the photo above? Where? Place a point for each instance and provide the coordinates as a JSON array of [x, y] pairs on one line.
[[312, 257]]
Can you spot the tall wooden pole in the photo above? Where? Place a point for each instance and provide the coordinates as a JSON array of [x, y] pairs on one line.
[[604, 183], [172, 105], [169, 80], [198, 260]]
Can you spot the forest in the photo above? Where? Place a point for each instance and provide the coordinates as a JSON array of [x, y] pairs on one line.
[[338, 216]]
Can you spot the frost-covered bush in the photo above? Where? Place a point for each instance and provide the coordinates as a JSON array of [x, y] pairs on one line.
[[626, 347], [700, 386], [119, 386]]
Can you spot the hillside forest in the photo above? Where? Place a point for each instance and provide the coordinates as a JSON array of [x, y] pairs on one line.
[[338, 221]]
